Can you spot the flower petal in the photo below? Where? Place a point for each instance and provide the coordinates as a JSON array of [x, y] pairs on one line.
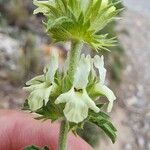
[[50, 70], [39, 93], [36, 80], [93, 72], [34, 87], [90, 102], [82, 72], [35, 103], [99, 64], [76, 112], [65, 97], [77, 105], [46, 93], [104, 90], [75, 109]]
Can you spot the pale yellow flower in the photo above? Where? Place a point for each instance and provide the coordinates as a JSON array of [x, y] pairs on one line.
[[100, 87], [77, 99], [41, 86]]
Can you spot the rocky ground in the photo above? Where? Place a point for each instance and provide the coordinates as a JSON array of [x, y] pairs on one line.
[[132, 116]]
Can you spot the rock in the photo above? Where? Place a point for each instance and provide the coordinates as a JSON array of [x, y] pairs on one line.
[[128, 147], [9, 52], [134, 90], [141, 141]]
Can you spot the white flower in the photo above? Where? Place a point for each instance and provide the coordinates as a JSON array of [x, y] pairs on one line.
[[51, 68], [99, 64], [77, 105], [77, 100], [41, 86], [82, 72], [39, 95], [100, 87], [36, 80]]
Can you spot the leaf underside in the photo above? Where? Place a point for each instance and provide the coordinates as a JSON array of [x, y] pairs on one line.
[[36, 148], [101, 120]]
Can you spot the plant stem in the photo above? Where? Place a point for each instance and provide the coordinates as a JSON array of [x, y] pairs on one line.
[[74, 56], [63, 135]]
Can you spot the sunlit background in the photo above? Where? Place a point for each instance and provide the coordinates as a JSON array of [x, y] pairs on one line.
[[25, 49]]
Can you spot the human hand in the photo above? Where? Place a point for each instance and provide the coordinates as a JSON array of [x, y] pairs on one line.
[[19, 129]]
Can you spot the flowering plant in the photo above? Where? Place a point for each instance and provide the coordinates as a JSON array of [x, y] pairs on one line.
[[71, 95]]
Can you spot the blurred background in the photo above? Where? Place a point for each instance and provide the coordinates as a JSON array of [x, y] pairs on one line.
[[25, 49]]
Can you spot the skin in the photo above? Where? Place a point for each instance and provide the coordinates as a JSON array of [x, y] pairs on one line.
[[19, 129]]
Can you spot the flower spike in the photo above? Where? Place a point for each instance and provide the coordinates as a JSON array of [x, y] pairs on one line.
[[81, 81]]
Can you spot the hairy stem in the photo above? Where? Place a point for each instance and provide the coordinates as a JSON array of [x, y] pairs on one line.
[[63, 135], [74, 56]]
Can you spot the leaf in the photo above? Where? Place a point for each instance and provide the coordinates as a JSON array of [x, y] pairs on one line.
[[111, 126], [81, 19], [101, 120], [53, 10], [84, 5], [45, 8], [95, 9], [109, 132], [87, 24], [57, 22], [74, 5], [36, 148], [61, 5], [75, 127], [50, 111]]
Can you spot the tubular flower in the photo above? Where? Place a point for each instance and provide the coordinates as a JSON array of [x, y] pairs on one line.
[[77, 100], [78, 20], [100, 87], [41, 86]]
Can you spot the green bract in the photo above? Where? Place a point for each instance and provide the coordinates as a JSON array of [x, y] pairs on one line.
[[78, 20]]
